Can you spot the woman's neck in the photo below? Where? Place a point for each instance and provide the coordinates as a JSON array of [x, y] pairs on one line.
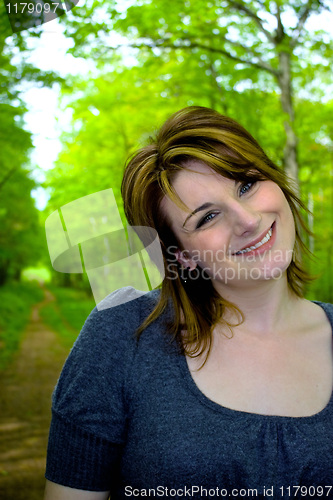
[[269, 307]]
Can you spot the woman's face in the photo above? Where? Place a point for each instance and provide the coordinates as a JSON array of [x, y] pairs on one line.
[[237, 232]]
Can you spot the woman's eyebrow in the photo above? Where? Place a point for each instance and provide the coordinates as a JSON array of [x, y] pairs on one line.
[[202, 207]]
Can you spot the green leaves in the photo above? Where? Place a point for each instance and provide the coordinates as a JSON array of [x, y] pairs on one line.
[[256, 61], [21, 238]]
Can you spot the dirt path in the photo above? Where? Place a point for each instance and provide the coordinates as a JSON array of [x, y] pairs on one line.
[[25, 398]]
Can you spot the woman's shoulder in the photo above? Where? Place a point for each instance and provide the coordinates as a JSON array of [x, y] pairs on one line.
[[110, 328], [128, 297], [103, 354], [123, 307], [104, 373], [328, 308]]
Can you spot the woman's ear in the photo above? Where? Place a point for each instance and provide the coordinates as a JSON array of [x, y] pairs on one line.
[[185, 260]]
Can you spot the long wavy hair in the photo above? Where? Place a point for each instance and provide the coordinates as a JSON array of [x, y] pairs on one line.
[[202, 134]]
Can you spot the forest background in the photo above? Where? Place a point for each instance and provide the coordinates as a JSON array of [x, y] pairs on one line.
[[258, 61]]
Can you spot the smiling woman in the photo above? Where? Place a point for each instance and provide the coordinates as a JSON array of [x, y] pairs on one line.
[[219, 383], [239, 227], [208, 169]]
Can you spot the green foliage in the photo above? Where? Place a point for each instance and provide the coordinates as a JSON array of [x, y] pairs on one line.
[[222, 55], [21, 239], [40, 274], [16, 301], [314, 126], [118, 111], [68, 314], [251, 33], [12, 76], [263, 44], [15, 142]]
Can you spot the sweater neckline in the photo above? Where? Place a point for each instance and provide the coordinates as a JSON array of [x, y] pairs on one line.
[[231, 413]]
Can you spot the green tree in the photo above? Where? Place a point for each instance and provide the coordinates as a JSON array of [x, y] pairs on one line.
[[315, 131], [267, 42], [118, 110], [163, 71], [21, 239]]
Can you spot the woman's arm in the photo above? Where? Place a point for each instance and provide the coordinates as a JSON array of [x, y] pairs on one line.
[[55, 491]]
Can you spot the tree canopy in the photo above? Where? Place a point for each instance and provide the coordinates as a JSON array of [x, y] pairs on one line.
[[21, 237], [257, 61], [267, 42]]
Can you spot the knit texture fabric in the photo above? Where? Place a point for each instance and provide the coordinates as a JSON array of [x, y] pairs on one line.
[[127, 417]]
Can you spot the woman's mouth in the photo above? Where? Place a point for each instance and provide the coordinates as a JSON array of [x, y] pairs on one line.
[[262, 243]]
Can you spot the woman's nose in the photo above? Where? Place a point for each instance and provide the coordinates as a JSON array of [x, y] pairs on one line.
[[245, 220]]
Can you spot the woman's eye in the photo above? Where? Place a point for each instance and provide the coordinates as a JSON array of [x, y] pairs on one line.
[[245, 187], [206, 219]]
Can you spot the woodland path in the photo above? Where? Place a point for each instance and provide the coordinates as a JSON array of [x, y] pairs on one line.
[[25, 399]]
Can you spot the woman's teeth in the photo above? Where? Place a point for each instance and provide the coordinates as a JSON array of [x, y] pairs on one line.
[[264, 240]]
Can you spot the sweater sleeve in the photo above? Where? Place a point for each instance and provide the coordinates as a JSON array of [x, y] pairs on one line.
[[90, 401]]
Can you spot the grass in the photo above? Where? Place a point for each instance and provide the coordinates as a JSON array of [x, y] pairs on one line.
[[16, 300], [67, 315]]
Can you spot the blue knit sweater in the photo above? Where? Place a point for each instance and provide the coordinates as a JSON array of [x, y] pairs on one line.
[[128, 417]]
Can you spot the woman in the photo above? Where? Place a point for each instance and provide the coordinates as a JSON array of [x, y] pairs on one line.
[[226, 388]]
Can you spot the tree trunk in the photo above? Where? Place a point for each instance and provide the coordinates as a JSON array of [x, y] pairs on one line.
[[17, 274], [290, 149], [4, 264]]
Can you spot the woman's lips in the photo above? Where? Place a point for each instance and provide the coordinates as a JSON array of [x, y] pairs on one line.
[[262, 248]]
